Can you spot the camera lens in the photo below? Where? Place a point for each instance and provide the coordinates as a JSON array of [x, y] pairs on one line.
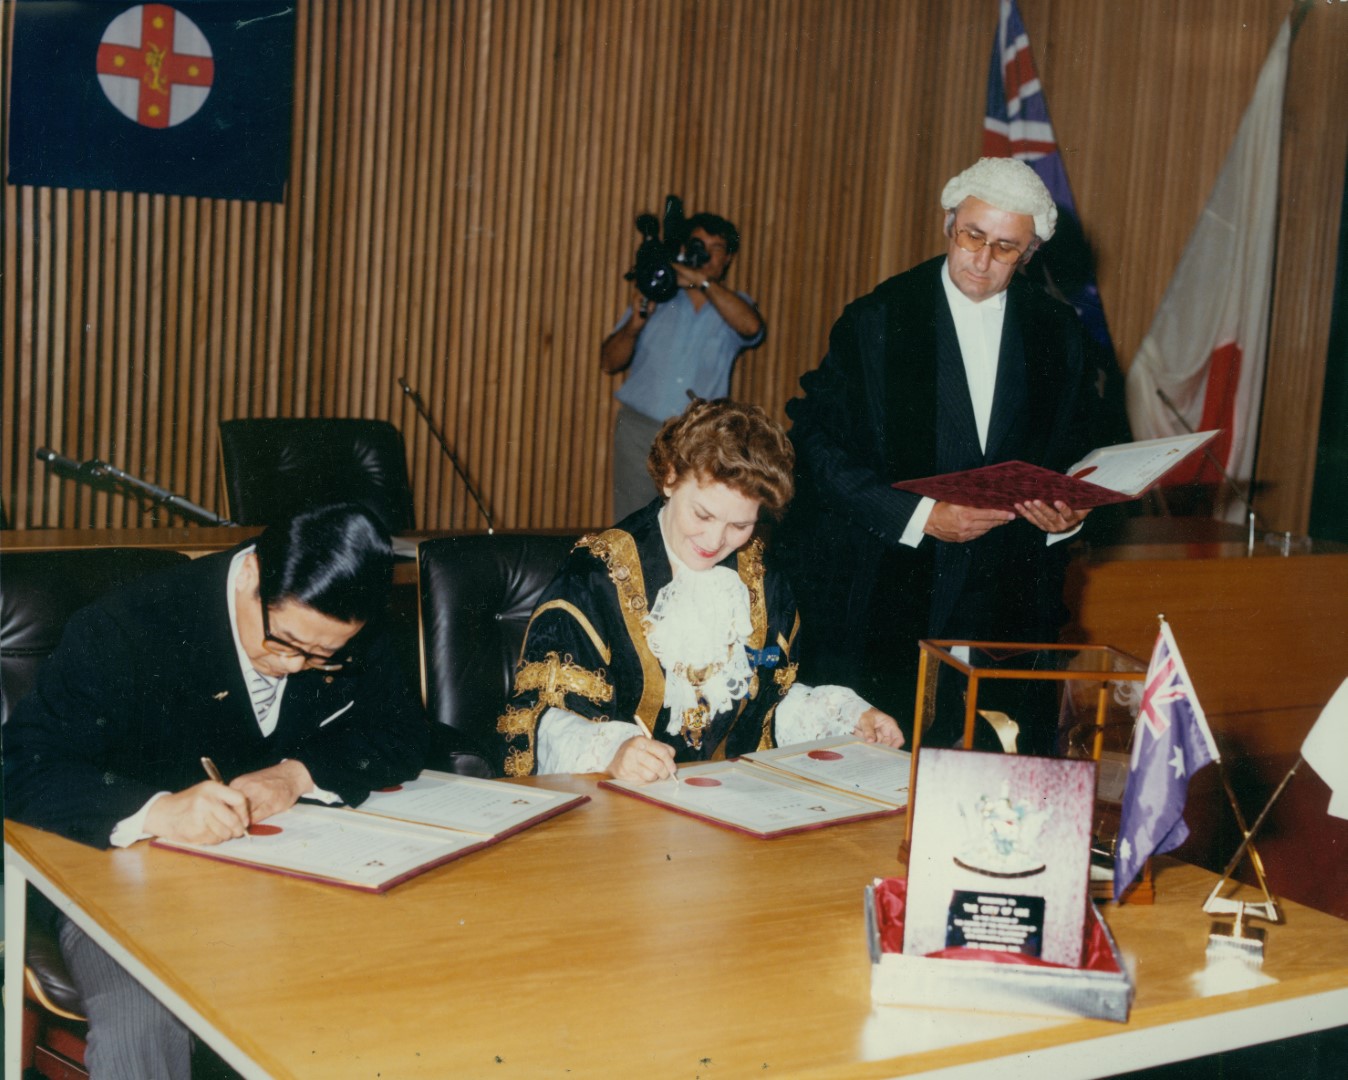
[[695, 253]]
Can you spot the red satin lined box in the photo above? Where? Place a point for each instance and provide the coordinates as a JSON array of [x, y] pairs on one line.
[[966, 978]]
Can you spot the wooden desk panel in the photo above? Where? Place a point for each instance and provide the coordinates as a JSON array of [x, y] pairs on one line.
[[1265, 639], [621, 939], [1256, 633]]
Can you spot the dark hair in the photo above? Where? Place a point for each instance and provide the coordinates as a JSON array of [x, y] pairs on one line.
[[335, 559], [726, 442], [715, 225]]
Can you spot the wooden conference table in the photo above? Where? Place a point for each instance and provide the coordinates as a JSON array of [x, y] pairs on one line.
[[624, 939]]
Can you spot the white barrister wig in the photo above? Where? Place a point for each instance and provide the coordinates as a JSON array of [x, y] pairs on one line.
[[1009, 185]]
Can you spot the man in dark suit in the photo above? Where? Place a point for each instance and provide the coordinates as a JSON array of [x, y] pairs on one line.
[[957, 363], [269, 660]]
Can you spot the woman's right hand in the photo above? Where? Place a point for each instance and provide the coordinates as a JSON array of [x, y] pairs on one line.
[[642, 761]]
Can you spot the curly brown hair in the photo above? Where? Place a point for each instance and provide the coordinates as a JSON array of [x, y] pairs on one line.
[[726, 442]]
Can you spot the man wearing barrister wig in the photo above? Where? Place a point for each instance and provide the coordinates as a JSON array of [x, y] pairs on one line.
[[676, 619], [957, 363]]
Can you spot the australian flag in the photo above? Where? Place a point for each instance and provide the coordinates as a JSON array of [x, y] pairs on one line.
[[1016, 124], [185, 98], [1171, 742]]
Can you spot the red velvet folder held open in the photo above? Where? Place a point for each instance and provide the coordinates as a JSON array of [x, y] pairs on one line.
[[395, 835], [1111, 474]]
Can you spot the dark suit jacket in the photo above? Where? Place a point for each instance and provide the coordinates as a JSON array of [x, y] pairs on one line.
[[147, 681], [890, 402]]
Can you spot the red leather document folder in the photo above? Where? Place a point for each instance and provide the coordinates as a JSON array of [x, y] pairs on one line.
[[1111, 474]]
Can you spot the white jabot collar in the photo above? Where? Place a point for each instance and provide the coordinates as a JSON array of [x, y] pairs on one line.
[[697, 629]]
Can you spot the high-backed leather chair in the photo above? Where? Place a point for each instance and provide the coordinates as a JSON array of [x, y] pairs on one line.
[[274, 468], [39, 591], [477, 594]]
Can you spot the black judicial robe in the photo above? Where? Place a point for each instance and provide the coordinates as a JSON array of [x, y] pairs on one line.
[[585, 649], [889, 402]]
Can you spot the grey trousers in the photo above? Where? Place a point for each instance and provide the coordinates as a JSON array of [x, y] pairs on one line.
[[131, 1035], [633, 487]]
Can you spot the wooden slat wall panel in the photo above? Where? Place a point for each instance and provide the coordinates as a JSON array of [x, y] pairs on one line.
[[463, 184]]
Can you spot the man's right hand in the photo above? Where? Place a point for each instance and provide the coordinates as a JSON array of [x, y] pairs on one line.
[[206, 813], [960, 524]]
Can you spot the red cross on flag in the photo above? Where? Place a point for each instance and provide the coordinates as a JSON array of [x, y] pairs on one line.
[[155, 65], [188, 97]]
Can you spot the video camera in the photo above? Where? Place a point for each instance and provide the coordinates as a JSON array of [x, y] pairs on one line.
[[652, 269]]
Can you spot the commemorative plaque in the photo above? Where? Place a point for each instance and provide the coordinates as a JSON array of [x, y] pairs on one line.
[[1000, 857]]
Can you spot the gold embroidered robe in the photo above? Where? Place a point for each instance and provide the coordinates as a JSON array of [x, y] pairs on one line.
[[585, 649]]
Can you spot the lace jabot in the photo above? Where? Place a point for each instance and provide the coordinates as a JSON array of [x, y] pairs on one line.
[[697, 629]]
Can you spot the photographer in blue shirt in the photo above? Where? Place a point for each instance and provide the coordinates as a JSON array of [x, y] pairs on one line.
[[683, 346]]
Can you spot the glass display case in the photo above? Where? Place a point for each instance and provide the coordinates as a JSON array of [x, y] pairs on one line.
[[1077, 701]]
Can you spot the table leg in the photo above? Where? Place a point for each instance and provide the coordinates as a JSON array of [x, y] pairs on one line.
[[16, 899]]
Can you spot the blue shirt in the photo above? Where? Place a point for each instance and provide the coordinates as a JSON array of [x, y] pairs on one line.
[[681, 349]]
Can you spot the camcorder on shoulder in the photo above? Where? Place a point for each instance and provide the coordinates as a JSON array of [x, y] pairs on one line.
[[653, 270]]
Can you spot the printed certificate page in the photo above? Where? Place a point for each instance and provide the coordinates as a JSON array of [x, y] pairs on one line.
[[467, 803], [848, 764], [339, 845], [1131, 468], [1108, 475], [750, 798]]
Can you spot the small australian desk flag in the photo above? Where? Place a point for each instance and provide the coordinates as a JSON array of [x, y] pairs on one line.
[[187, 98], [1171, 742]]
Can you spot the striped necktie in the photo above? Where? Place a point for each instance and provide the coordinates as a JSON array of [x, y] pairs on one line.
[[263, 689]]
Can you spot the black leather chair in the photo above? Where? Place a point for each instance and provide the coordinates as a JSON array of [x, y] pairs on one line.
[[477, 593], [39, 591], [277, 467]]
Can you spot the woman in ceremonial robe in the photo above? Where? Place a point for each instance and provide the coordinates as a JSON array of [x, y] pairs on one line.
[[672, 623]]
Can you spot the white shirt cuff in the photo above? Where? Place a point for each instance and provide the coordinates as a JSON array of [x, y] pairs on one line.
[[912, 534], [569, 743], [818, 712], [127, 831], [1053, 538]]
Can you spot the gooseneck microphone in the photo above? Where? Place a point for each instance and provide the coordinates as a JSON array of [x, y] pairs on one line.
[[1251, 518], [104, 477], [449, 451]]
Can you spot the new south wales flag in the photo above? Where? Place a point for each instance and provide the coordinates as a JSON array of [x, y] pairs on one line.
[[191, 97]]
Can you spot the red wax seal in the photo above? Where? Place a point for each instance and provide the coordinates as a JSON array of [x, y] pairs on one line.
[[703, 781], [389, 790], [1081, 474], [824, 755], [264, 830]]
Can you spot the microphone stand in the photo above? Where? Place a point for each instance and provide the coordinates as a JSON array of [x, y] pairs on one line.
[[104, 477], [449, 452], [1230, 480]]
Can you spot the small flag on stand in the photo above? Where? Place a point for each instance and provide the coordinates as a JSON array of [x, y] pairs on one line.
[[1171, 742], [1326, 750]]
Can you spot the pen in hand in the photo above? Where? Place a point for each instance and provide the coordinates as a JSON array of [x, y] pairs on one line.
[[673, 773], [213, 773]]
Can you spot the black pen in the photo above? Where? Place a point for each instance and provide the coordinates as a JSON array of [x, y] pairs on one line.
[[214, 774]]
